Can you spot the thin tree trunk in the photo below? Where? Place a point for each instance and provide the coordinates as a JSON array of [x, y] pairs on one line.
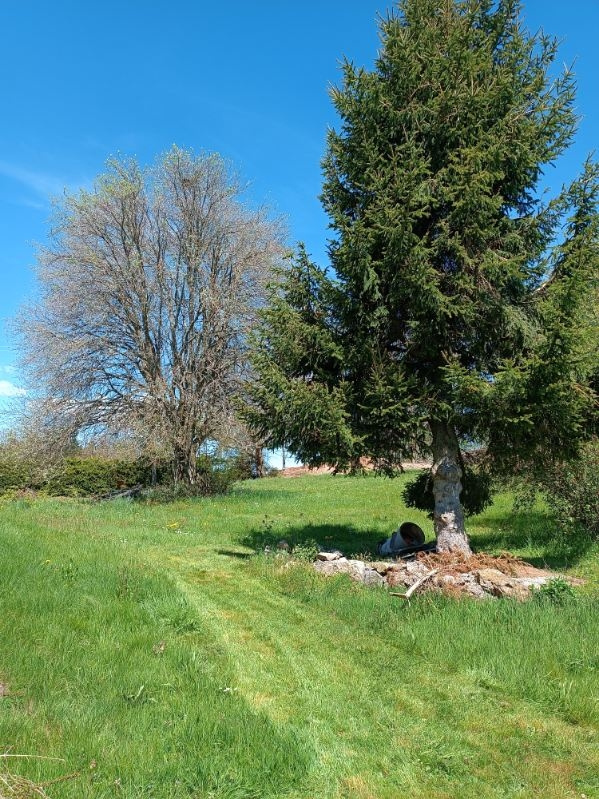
[[447, 473], [259, 462]]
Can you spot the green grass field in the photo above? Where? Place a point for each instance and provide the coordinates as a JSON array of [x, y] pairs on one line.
[[152, 653]]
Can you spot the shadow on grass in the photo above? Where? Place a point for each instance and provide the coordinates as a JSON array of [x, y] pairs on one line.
[[234, 553], [350, 540], [532, 535]]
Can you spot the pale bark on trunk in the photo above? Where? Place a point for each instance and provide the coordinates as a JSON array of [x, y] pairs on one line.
[[447, 473]]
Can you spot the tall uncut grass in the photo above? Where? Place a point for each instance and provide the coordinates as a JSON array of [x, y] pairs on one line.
[[156, 651]]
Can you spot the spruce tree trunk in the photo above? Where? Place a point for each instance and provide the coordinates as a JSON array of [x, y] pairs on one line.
[[447, 473]]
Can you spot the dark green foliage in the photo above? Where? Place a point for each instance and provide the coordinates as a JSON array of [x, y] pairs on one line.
[[556, 591], [85, 476], [217, 474], [244, 465], [306, 550], [15, 474], [572, 491], [449, 301], [475, 497], [326, 402], [80, 477], [544, 401]]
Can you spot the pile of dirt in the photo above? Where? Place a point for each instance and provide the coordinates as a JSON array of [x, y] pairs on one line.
[[458, 563], [481, 576]]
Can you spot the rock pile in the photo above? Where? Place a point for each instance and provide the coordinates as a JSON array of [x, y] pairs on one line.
[[480, 576]]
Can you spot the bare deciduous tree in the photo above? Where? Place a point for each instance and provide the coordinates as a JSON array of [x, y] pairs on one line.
[[148, 289]]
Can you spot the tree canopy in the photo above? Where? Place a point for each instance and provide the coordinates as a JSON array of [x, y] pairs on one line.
[[148, 289], [457, 309]]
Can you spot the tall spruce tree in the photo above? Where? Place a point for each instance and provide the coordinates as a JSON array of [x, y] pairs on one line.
[[451, 314]]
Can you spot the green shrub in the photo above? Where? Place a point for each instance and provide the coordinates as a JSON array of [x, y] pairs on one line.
[[215, 475], [85, 476], [13, 475], [475, 497], [242, 466], [17, 473], [82, 476], [306, 550], [556, 591], [573, 491]]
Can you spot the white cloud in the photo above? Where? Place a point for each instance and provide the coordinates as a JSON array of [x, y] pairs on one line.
[[8, 389], [7, 370], [41, 183], [37, 205]]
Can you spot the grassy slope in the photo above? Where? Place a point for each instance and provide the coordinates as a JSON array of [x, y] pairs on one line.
[[145, 642]]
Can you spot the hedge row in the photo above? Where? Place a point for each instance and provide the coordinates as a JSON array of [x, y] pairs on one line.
[[93, 476]]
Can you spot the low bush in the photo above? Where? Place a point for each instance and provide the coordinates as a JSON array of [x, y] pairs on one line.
[[556, 591], [85, 476], [573, 491], [215, 475], [21, 472], [14, 474]]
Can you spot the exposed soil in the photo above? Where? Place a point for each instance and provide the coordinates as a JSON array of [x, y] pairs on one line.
[[455, 564], [481, 576], [506, 563]]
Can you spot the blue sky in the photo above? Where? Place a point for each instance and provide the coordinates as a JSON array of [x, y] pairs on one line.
[[80, 81]]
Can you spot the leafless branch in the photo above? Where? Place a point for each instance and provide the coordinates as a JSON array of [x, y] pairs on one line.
[[148, 291]]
